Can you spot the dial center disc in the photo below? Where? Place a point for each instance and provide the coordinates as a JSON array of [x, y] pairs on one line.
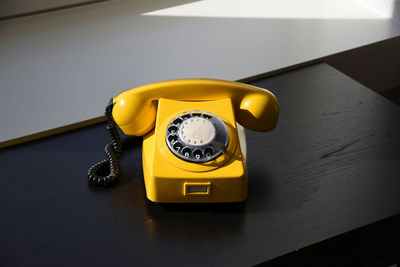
[[197, 131]]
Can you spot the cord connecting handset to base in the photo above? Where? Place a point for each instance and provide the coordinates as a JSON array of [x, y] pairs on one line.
[[193, 148], [112, 150]]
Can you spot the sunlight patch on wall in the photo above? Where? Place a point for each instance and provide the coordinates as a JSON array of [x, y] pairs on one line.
[[293, 9]]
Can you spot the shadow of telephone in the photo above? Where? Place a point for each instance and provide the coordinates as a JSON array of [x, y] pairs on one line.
[[193, 148]]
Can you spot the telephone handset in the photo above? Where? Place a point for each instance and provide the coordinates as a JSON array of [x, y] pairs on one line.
[[193, 149]]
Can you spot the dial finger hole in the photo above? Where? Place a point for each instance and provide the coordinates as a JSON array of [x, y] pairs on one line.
[[197, 154], [186, 116], [208, 151], [186, 152], [177, 121], [172, 138], [172, 129], [177, 146]]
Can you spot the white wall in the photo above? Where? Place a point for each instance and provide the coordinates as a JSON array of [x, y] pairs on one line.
[[62, 67]]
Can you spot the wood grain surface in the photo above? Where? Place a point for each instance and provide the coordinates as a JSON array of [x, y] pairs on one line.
[[331, 166]]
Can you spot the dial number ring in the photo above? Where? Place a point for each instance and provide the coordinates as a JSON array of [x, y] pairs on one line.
[[197, 136]]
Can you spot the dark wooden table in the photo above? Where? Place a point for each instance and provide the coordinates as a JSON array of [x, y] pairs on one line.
[[331, 166]]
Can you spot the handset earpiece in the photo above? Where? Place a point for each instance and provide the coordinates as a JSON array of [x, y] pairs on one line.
[[258, 112], [134, 115]]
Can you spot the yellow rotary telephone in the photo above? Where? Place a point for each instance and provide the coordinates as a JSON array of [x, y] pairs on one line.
[[193, 149]]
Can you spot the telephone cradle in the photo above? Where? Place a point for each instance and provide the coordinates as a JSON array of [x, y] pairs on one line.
[[194, 145]]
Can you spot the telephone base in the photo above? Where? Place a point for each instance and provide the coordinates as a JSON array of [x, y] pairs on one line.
[[169, 179]]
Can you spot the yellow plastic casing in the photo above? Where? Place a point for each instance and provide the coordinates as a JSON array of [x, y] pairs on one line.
[[170, 179]]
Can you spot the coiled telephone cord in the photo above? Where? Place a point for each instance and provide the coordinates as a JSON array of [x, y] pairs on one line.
[[113, 150]]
